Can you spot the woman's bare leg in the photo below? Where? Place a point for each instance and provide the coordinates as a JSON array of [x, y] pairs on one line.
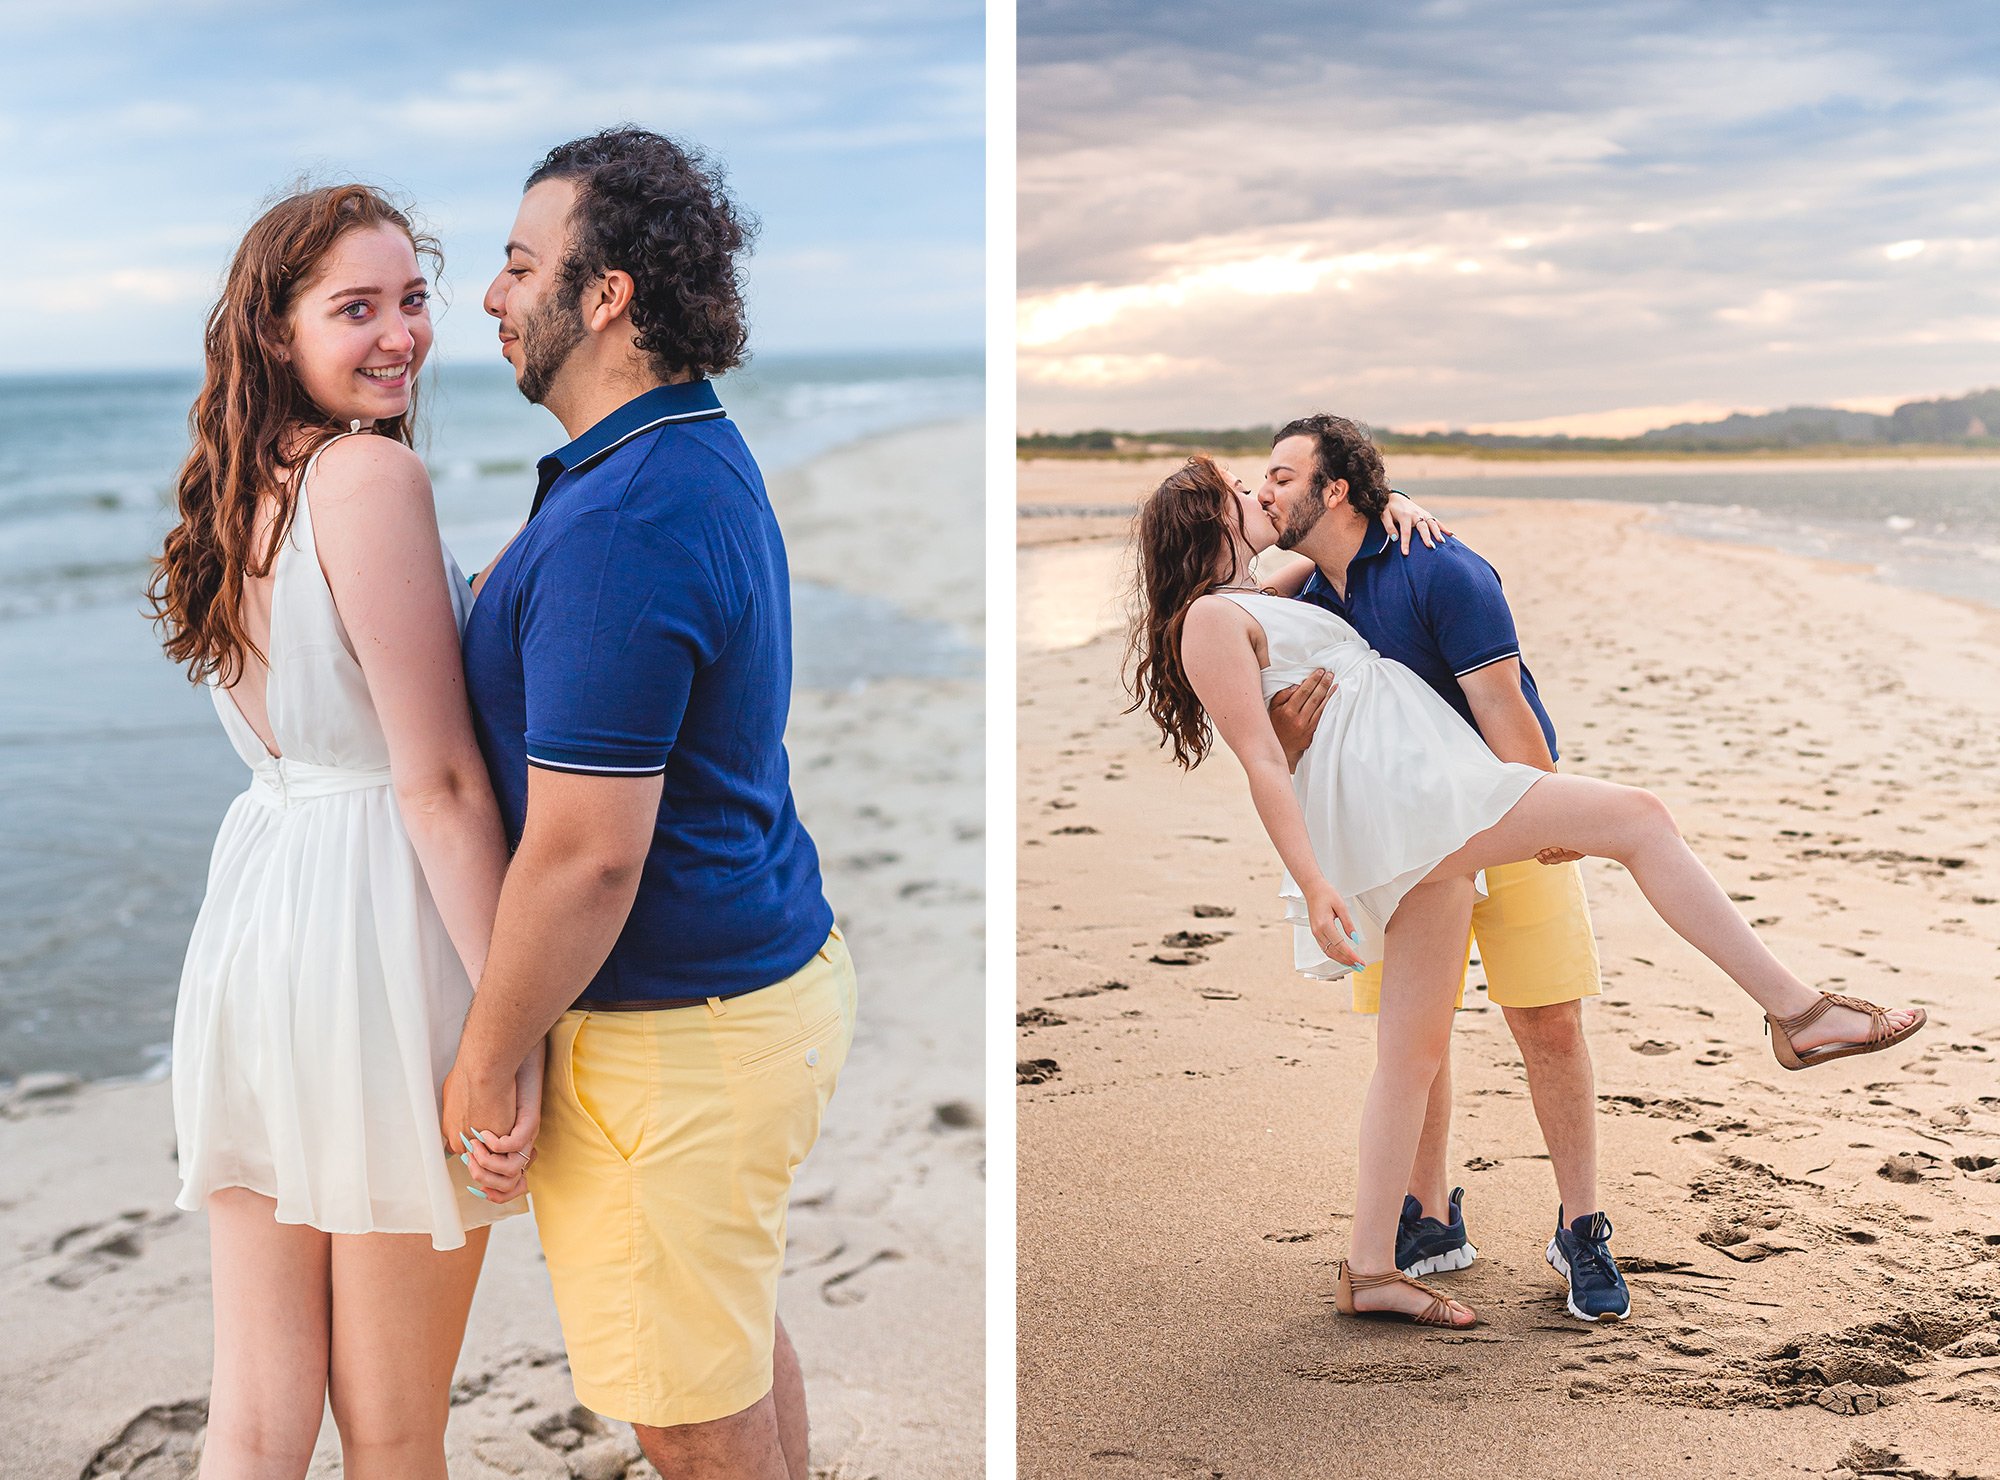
[[399, 1309], [1633, 827], [1423, 959], [271, 1333]]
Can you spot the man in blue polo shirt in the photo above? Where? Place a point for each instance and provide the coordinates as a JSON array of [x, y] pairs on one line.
[[1439, 610], [661, 922]]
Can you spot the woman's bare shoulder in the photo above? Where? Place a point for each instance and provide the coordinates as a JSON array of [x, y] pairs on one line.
[[1217, 623], [376, 467], [1218, 612]]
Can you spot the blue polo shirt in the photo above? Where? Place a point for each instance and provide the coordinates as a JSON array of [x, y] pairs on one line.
[[641, 625], [1438, 612]]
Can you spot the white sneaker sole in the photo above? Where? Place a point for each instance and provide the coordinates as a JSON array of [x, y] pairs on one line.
[[1459, 1258], [1561, 1266]]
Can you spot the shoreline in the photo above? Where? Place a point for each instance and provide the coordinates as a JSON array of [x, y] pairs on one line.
[[1807, 1252], [1063, 501], [107, 1294]]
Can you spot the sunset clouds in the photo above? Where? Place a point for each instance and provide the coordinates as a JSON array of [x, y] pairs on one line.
[[1484, 214]]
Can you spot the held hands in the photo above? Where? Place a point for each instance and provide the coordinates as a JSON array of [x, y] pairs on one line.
[[1405, 516], [473, 1102], [1295, 713], [1332, 925]]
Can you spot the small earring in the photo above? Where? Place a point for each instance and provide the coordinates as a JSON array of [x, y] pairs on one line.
[[354, 425]]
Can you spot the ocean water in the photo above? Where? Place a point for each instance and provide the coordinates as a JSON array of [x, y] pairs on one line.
[[113, 770], [1935, 528]]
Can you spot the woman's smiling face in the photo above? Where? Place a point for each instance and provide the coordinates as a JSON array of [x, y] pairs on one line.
[[360, 329]]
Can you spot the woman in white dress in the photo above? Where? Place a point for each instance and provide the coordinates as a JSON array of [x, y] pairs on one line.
[[1393, 812], [352, 888]]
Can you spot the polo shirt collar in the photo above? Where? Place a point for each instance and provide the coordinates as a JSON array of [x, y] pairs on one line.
[[663, 405], [1373, 543]]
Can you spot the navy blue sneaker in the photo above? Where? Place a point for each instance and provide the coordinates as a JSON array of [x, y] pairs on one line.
[[1426, 1246], [1581, 1254]]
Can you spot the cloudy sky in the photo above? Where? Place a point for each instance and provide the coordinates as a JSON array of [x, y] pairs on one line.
[[138, 139], [1588, 217]]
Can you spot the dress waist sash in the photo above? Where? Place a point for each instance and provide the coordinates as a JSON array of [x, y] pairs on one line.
[[283, 782]]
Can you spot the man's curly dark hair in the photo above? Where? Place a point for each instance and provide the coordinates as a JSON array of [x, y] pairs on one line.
[[657, 210], [1343, 449]]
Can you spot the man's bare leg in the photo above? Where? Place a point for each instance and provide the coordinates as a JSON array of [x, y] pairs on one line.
[[788, 1392], [766, 1441], [1563, 1085], [1430, 1177]]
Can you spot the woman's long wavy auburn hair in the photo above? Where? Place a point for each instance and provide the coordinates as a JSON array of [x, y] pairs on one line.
[[253, 426], [1181, 529]]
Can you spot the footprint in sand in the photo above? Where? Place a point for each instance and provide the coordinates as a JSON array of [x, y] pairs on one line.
[[99, 1248], [956, 1115], [1979, 1167], [1746, 1238], [841, 1288], [1907, 1167], [1129, 1462], [163, 1443], [592, 1448], [1093, 991]]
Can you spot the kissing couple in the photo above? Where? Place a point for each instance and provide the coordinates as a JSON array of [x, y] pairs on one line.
[[517, 897], [1401, 762]]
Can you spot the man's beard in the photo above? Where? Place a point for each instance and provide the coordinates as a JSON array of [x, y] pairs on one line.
[[548, 335], [1299, 523]]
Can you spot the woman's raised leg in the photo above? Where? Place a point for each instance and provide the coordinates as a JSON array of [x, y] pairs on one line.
[[1633, 827], [399, 1309], [271, 1332], [1424, 955]]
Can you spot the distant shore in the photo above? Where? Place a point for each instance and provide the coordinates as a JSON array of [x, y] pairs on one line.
[[1416, 460]]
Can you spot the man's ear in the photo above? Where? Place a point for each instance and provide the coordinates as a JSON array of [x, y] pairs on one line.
[[1336, 492], [607, 300]]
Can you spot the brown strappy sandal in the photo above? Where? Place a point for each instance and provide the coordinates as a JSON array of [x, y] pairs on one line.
[[1437, 1313], [1880, 1034]]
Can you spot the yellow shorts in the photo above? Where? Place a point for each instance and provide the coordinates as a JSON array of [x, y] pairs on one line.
[[1535, 941], [661, 1181]]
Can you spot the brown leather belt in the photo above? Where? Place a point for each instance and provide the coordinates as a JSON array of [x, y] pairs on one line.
[[652, 1004]]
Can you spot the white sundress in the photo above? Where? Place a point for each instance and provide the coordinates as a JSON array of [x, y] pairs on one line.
[[321, 1000], [1394, 781]]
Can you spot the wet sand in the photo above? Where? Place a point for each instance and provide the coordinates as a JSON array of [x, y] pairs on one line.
[[105, 1286], [1814, 1258]]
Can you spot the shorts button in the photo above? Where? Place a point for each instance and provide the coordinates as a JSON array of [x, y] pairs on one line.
[[812, 1056]]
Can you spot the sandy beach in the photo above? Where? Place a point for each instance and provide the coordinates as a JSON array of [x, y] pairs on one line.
[[1814, 1258], [105, 1287]]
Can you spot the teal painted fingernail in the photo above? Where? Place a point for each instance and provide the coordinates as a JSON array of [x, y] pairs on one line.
[[477, 1193], [480, 1137], [467, 1159], [463, 1142]]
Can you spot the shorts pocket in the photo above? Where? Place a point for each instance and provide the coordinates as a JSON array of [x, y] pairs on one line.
[[821, 1029], [620, 1133]]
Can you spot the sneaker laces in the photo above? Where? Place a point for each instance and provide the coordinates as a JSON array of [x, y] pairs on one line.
[[1596, 1252]]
